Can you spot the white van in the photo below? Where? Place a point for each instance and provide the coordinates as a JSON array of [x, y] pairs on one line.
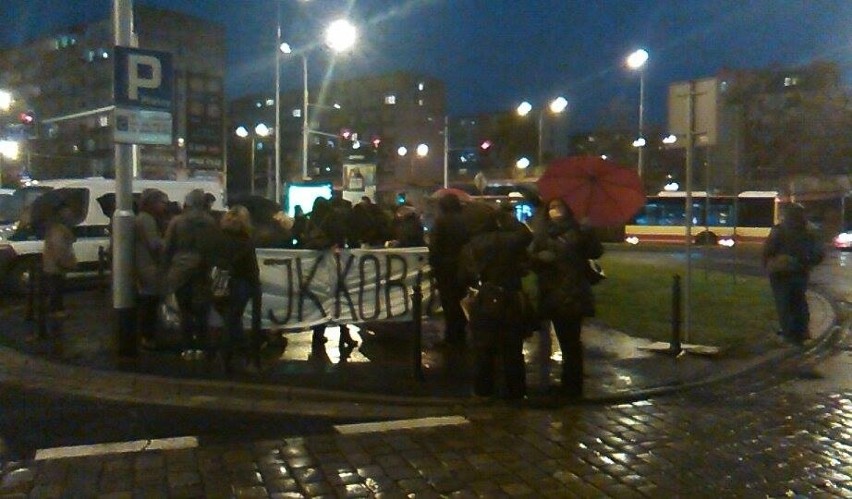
[[92, 200]]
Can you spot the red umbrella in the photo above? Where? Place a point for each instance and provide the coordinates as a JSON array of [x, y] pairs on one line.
[[597, 190], [462, 195]]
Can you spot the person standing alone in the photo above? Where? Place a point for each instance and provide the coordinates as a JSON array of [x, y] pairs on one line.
[[789, 254]]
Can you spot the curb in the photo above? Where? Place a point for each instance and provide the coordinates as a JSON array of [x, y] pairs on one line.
[[30, 372]]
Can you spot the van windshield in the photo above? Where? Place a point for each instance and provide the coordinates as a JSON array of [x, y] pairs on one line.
[[12, 206]]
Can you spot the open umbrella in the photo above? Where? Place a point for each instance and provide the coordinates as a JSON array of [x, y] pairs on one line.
[[597, 190], [462, 195]]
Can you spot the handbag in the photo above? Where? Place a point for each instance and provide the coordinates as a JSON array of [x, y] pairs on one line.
[[220, 279], [594, 272], [783, 263]]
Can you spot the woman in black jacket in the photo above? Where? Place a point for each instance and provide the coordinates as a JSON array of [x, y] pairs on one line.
[[238, 252], [561, 251]]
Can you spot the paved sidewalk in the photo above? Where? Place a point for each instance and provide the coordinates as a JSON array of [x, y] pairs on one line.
[[374, 380]]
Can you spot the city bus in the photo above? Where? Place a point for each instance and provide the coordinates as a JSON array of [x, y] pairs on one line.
[[716, 219]]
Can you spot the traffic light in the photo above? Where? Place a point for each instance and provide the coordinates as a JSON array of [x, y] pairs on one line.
[[27, 118]]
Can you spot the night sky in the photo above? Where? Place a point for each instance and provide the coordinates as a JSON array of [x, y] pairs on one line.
[[493, 54]]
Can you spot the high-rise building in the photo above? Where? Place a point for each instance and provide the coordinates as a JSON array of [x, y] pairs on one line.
[[366, 119], [67, 81]]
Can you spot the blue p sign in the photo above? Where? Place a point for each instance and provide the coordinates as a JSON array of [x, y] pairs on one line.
[[143, 79]]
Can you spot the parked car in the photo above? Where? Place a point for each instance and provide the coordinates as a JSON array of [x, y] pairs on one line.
[[843, 240], [92, 200]]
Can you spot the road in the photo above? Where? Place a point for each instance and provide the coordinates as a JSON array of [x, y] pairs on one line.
[[780, 433]]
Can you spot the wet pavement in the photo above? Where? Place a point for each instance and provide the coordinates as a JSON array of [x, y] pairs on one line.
[[774, 424]]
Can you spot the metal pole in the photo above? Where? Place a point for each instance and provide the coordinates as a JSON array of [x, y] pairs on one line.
[[123, 217], [690, 145], [446, 152], [641, 166], [251, 162], [278, 105], [305, 130], [540, 133]]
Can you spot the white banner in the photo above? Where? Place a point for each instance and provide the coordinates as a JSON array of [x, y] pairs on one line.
[[302, 288]]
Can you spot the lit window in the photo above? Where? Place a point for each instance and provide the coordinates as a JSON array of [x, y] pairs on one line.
[[419, 102], [103, 121], [421, 86], [390, 99], [270, 102], [297, 113], [791, 81]]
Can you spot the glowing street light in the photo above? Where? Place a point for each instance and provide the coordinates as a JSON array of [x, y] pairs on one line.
[[636, 61], [556, 106], [6, 100], [260, 130], [340, 36], [522, 164], [671, 139]]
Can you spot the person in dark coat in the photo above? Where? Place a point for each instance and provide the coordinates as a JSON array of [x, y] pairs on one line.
[[237, 254], [446, 240], [498, 259], [147, 262], [327, 229], [789, 254], [189, 249], [407, 230], [560, 254]]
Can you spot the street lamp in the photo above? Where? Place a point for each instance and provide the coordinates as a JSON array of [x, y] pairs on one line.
[[421, 151], [5, 100], [636, 61], [262, 131], [556, 106], [339, 36]]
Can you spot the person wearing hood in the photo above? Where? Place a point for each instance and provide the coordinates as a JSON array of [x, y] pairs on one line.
[[446, 240], [191, 245], [789, 254]]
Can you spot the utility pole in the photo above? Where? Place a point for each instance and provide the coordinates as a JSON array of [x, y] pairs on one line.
[[123, 217]]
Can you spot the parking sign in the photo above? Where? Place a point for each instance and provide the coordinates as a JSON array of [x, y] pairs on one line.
[[144, 83]]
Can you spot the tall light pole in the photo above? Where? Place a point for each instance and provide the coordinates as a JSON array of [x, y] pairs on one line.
[[277, 109], [340, 36], [260, 130], [636, 61], [556, 106]]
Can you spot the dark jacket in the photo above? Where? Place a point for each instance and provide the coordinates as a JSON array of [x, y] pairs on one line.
[[448, 236], [238, 251], [499, 256], [407, 229], [190, 247], [560, 255], [795, 240]]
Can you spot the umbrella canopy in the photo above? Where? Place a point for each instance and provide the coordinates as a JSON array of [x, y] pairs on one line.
[[462, 195], [598, 191]]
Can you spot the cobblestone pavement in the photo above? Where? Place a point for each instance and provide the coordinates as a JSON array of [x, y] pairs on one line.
[[752, 441]]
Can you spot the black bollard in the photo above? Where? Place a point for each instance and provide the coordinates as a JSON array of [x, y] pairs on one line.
[[41, 300], [417, 318], [102, 284], [31, 289], [675, 346]]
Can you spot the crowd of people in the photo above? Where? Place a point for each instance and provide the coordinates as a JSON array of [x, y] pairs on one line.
[[484, 266], [186, 252]]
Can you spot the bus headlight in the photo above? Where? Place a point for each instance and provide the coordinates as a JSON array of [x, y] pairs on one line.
[[727, 242], [631, 240]]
